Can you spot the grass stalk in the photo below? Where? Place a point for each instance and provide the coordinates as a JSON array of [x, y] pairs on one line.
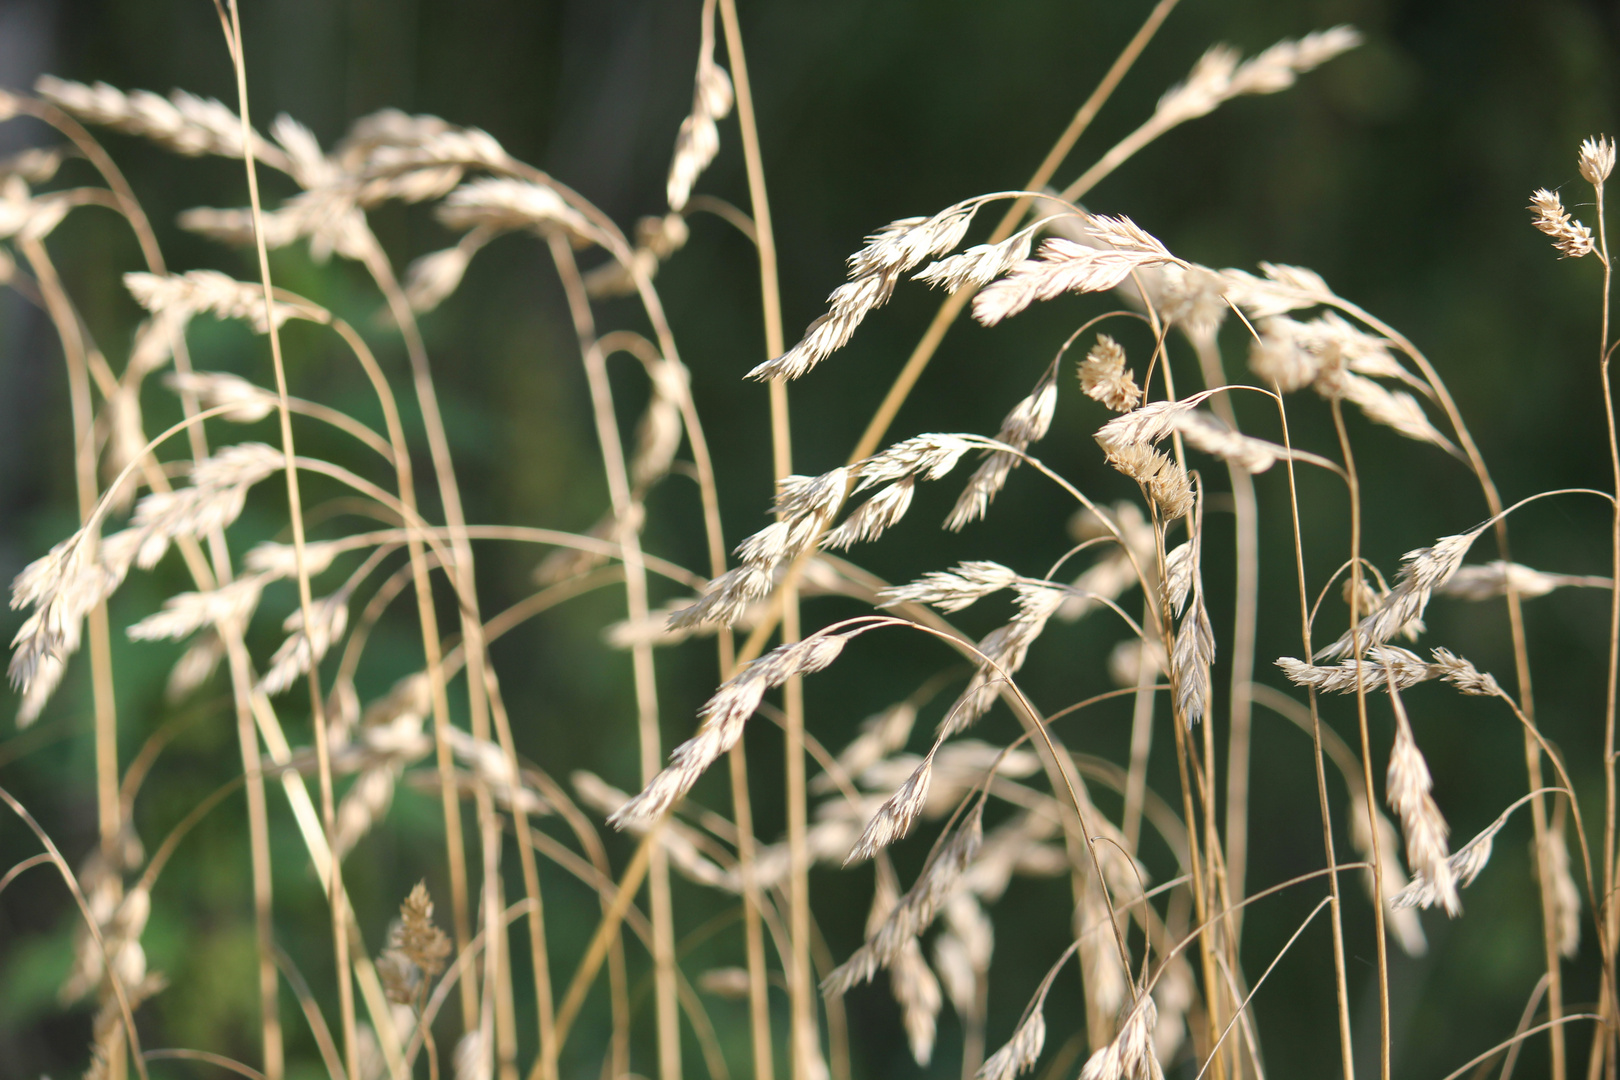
[[953, 305], [382, 274], [1341, 983], [109, 818], [232, 26], [804, 1038], [1245, 625], [607, 429], [1353, 483], [1521, 664], [1612, 911]]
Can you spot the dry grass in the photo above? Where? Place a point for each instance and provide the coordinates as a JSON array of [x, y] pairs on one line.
[[1158, 940]]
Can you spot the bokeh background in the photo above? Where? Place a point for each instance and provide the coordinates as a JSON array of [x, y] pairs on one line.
[[1399, 172]]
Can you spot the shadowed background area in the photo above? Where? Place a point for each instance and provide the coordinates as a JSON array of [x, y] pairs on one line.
[[1399, 172]]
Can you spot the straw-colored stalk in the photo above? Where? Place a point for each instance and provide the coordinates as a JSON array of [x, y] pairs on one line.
[[635, 575], [805, 1038], [340, 937], [1353, 483], [1341, 983]]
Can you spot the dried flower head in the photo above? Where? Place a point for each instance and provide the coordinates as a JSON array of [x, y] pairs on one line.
[[1570, 237], [1105, 378], [417, 949], [1596, 159], [1165, 482]]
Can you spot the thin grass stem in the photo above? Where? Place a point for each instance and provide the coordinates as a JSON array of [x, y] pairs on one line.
[[232, 26]]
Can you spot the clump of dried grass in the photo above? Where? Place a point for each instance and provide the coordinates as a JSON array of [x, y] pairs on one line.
[[1188, 993]]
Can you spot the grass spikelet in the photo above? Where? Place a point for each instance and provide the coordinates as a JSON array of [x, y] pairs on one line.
[[1105, 378], [917, 992], [1422, 571], [1596, 159], [195, 666], [874, 270], [1107, 983], [726, 600], [1465, 676], [363, 805], [306, 647], [1180, 567], [1004, 649], [1400, 920], [1192, 297], [978, 265], [723, 718], [1131, 1055], [873, 517], [183, 615], [432, 278], [699, 137], [963, 950], [1063, 266], [657, 238], [1395, 409], [36, 165], [897, 814], [658, 435], [1022, 1051], [24, 217], [1218, 76], [1407, 789], [1570, 238], [1278, 357], [1027, 423], [248, 404], [275, 562], [1144, 427], [1379, 665], [928, 457], [953, 590], [728, 983], [1164, 481], [183, 122], [1208, 433], [1190, 661], [504, 204], [1492, 579], [1283, 288], [208, 291], [1554, 853], [417, 949]]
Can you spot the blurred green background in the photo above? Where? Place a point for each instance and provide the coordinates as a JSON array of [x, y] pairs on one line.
[[1399, 172]]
